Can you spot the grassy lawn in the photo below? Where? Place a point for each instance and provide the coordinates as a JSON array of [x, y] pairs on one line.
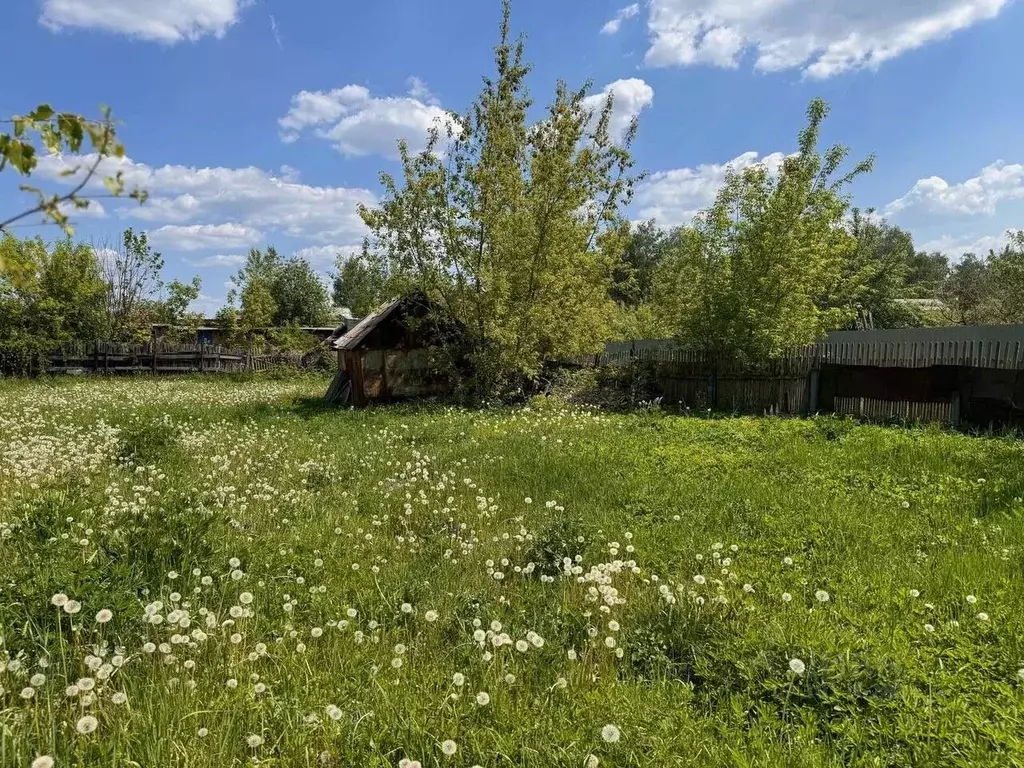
[[289, 585]]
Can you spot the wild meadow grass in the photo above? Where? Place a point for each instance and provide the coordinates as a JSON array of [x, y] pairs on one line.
[[211, 573]]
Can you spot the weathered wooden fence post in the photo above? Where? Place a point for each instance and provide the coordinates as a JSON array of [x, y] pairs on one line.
[[954, 410], [153, 345], [814, 391], [95, 356], [202, 356]]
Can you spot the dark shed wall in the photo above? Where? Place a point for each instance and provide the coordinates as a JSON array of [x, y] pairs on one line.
[[983, 395]]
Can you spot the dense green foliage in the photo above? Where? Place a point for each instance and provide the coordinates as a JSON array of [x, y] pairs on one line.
[[682, 281], [707, 560], [52, 295], [754, 274], [69, 291], [358, 285], [274, 291], [510, 226]]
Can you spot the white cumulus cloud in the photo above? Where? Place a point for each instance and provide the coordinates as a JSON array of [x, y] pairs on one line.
[[358, 123], [955, 247], [165, 21], [821, 37], [980, 194], [322, 256], [613, 25], [250, 197], [629, 98], [199, 237], [219, 260], [674, 197]]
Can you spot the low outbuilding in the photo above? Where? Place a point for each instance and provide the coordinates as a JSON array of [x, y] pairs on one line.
[[398, 352]]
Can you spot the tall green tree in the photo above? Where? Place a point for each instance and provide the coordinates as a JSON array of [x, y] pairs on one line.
[[58, 294], [1006, 281], [877, 275], [966, 291], [300, 296], [927, 274], [633, 277], [511, 227], [133, 272], [358, 285], [756, 273], [251, 289], [177, 299], [274, 291]]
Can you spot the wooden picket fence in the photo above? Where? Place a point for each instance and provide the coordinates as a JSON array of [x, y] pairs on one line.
[[108, 358]]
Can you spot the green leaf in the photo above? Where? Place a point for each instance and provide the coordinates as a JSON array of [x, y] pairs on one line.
[[42, 113], [51, 138], [115, 184]]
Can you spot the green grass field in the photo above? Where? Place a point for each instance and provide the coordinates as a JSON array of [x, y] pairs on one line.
[[243, 577]]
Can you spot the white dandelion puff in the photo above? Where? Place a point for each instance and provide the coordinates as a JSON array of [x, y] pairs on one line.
[[610, 733]]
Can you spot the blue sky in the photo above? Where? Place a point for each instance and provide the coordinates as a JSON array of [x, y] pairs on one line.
[[267, 122]]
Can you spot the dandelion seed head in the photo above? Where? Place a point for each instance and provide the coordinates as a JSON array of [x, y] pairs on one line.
[[610, 733], [86, 724]]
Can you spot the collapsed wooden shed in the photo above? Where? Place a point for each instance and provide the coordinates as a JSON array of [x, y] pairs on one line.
[[395, 353]]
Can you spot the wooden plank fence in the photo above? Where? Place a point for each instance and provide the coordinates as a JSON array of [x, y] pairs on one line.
[[107, 358], [869, 408], [795, 383]]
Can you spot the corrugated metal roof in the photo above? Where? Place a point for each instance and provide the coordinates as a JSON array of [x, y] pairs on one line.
[[365, 326]]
